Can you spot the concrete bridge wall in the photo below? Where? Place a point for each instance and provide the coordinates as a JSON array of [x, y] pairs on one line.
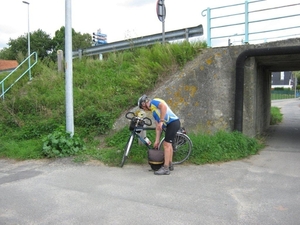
[[203, 92]]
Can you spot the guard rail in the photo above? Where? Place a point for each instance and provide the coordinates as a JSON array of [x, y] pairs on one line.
[[185, 33]]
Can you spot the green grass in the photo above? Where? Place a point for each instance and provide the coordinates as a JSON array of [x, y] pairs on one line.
[[276, 115], [220, 147], [21, 150], [102, 91]]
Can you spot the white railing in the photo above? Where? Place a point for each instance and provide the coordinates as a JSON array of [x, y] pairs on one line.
[[233, 21]]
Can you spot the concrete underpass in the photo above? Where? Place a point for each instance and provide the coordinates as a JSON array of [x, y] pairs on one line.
[[205, 95]]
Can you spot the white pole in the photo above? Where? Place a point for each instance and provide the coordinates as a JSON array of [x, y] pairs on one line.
[[28, 41], [69, 69], [295, 85], [163, 21]]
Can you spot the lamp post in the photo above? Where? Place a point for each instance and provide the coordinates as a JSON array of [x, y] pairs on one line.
[[28, 42]]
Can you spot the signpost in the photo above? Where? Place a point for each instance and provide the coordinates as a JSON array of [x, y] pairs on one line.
[[161, 14], [99, 38]]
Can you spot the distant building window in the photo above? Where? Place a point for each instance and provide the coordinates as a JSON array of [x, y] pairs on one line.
[[281, 75]]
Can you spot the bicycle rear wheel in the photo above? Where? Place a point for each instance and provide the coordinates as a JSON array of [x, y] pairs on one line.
[[182, 148], [127, 149]]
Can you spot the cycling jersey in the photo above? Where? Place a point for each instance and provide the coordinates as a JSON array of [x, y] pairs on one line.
[[170, 115]]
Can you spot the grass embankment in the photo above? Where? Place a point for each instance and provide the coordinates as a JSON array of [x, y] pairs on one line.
[[33, 112]]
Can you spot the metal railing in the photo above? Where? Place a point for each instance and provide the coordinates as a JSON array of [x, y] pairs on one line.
[[2, 83], [284, 94], [223, 15], [141, 41]]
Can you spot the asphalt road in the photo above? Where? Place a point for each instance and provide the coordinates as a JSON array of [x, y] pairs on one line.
[[263, 189]]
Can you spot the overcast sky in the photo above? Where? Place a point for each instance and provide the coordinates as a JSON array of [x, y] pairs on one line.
[[119, 19]]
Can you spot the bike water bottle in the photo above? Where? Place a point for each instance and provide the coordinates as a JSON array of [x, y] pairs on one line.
[[147, 140]]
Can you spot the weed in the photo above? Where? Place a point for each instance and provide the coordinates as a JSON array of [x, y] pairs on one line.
[[276, 115], [61, 144]]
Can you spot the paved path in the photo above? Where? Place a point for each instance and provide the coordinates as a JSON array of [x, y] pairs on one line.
[[263, 189]]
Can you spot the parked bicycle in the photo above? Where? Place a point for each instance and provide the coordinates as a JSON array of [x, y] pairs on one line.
[[182, 145]]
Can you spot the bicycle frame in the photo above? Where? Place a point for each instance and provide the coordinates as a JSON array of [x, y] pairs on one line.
[[137, 126], [136, 132]]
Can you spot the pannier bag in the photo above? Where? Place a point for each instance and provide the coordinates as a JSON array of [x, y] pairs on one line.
[[155, 158], [135, 123]]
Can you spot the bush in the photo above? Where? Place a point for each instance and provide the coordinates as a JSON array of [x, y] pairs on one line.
[[62, 144], [279, 89]]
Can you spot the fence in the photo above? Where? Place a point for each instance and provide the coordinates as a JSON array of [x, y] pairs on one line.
[[284, 94], [257, 17], [10, 81]]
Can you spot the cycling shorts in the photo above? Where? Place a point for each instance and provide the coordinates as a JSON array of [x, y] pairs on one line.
[[171, 131]]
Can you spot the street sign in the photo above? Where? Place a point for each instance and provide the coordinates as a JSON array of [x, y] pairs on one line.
[[101, 42], [100, 38], [161, 10], [100, 35]]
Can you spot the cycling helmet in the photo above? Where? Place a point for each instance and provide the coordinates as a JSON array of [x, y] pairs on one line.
[[142, 99]]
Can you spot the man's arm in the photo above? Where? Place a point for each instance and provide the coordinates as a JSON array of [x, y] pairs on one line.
[[163, 111]]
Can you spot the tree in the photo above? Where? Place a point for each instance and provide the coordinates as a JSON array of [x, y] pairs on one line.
[[297, 74], [40, 42], [43, 44], [17, 46], [79, 41], [6, 53], [59, 40]]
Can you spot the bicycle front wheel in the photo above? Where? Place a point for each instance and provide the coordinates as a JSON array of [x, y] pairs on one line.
[[182, 148], [127, 149]]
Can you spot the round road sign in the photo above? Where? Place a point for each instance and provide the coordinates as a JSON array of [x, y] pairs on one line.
[[161, 10]]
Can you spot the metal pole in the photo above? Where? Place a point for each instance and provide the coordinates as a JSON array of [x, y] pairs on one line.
[[246, 22], [163, 21], [187, 34], [295, 85], [208, 39], [69, 68], [28, 38]]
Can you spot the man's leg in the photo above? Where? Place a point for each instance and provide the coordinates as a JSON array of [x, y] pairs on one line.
[[168, 152], [171, 131], [164, 170], [171, 167]]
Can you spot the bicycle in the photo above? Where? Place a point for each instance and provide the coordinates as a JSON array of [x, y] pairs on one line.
[[182, 144]]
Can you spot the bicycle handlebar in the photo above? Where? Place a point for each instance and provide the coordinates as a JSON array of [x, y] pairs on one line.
[[145, 120]]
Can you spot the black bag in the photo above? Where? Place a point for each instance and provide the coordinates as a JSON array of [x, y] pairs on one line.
[[136, 123], [132, 125], [156, 158]]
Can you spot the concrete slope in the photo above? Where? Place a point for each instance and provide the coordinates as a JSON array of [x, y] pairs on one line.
[[200, 93]]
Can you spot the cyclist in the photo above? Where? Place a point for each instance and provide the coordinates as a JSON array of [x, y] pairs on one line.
[[165, 119]]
